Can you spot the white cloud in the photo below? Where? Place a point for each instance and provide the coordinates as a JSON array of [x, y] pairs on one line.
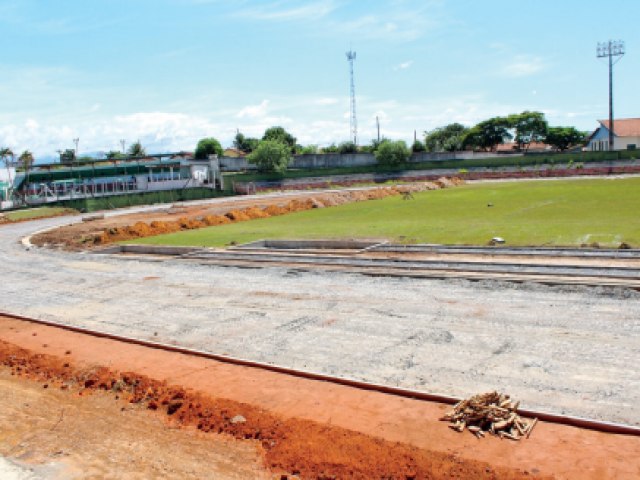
[[403, 65], [254, 111], [398, 21], [288, 11], [157, 131], [523, 66], [326, 101]]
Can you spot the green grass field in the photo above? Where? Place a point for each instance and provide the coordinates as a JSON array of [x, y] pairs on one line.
[[551, 212], [33, 213]]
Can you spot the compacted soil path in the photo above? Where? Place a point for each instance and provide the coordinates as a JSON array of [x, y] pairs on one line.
[[296, 426]]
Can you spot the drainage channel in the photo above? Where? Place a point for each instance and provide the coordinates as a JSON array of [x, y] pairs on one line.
[[632, 254], [579, 422], [627, 273]]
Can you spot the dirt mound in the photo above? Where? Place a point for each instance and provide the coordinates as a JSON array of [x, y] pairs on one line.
[[237, 216], [255, 212], [275, 210], [213, 220], [290, 446], [141, 229], [444, 182]]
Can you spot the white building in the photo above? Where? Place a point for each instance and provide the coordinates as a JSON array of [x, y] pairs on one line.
[[626, 135]]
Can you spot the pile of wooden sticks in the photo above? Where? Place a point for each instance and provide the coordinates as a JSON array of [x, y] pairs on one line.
[[491, 412]]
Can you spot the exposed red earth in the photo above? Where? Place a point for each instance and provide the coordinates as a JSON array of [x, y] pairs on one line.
[[301, 427], [101, 232]]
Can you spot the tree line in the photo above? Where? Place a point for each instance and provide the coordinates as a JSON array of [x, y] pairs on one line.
[[523, 128], [274, 150]]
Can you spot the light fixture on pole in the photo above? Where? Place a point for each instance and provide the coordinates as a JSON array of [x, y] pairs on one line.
[[611, 49]]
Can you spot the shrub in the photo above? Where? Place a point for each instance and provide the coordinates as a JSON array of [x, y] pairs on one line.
[[418, 146], [348, 147], [271, 156], [208, 146], [392, 153]]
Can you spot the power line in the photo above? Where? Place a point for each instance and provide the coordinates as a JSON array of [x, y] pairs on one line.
[[353, 123], [611, 49]]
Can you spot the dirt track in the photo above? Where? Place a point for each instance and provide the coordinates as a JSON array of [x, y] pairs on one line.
[[299, 425]]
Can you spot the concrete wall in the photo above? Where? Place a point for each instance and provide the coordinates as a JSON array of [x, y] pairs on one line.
[[336, 160], [333, 160]]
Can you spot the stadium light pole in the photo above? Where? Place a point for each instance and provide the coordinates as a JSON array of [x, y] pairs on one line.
[[611, 49]]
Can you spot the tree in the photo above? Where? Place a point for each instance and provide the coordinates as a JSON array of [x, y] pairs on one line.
[[5, 154], [26, 159], [417, 146], [114, 155], [347, 147], [245, 144], [208, 146], [487, 134], [392, 153], [309, 150], [445, 139], [136, 150], [281, 135], [271, 156], [563, 138], [333, 148], [529, 127], [68, 156]]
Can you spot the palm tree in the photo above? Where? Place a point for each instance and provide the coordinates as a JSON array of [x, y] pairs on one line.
[[6, 153], [26, 159], [137, 150]]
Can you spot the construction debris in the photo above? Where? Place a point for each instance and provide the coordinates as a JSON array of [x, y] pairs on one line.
[[491, 412]]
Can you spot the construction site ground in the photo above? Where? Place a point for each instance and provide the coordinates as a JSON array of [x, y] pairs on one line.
[[569, 350], [90, 416]]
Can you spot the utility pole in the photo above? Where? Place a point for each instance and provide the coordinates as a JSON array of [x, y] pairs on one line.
[[123, 142], [611, 49], [351, 56], [378, 127], [76, 141]]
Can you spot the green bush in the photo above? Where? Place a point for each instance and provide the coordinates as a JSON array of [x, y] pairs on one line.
[[347, 147], [208, 146], [392, 153], [271, 156]]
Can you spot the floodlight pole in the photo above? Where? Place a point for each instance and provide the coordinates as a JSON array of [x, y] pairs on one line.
[[611, 49]]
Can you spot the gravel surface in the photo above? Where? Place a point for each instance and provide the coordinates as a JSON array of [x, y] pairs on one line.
[[566, 350]]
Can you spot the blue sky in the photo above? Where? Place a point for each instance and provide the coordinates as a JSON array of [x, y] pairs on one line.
[[168, 72]]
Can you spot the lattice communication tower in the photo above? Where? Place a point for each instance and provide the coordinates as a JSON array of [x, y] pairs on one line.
[[353, 123]]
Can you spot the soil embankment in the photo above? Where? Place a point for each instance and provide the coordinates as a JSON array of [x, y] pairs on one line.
[[300, 427], [101, 232]]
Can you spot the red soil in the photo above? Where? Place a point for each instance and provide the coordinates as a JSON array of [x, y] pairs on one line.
[[310, 427], [295, 446], [141, 229]]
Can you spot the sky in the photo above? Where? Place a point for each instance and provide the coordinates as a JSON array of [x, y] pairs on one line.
[[170, 72]]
